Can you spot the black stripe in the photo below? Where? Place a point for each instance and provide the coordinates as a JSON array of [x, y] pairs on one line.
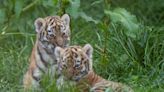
[[42, 60], [34, 77], [51, 22], [49, 53], [40, 35], [40, 68], [87, 64]]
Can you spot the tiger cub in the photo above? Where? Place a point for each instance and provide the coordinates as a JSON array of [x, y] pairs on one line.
[[75, 64], [51, 31]]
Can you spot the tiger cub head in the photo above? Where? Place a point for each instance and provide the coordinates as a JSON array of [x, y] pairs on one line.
[[53, 31], [74, 62]]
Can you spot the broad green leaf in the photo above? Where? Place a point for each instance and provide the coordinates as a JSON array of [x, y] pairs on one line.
[[73, 9], [96, 2], [2, 15], [126, 19], [9, 4], [18, 7], [108, 90], [49, 3], [87, 18], [55, 2]]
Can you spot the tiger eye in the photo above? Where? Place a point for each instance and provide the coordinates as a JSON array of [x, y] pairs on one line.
[[63, 34], [49, 31], [51, 35]]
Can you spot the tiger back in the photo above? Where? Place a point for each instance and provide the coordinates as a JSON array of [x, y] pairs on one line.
[[52, 31], [75, 64]]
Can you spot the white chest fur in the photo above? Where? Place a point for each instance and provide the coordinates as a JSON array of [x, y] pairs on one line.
[[46, 63]]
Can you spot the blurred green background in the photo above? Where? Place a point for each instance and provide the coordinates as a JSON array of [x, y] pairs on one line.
[[127, 37]]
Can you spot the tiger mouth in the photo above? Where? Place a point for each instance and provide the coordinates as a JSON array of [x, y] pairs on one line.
[[83, 73]]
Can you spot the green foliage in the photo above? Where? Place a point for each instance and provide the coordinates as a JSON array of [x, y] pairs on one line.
[[126, 19], [18, 7], [128, 42], [74, 8]]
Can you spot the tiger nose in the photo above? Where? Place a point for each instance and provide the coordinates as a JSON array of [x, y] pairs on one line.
[[60, 42]]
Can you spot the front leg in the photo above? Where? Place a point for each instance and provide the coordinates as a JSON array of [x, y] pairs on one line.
[[27, 81], [30, 81]]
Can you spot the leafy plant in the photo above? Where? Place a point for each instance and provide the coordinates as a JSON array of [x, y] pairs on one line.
[[126, 19]]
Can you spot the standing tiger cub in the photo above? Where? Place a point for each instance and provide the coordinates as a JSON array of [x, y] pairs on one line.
[[75, 64], [51, 31]]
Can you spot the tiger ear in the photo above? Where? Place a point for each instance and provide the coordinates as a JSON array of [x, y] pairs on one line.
[[88, 50], [39, 22], [58, 51], [66, 19]]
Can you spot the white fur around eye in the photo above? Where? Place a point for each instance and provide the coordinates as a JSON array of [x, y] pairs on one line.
[[48, 28], [78, 62]]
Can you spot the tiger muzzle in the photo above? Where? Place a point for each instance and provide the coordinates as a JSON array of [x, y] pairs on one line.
[[60, 42]]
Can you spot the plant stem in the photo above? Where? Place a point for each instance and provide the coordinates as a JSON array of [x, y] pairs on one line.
[[29, 6]]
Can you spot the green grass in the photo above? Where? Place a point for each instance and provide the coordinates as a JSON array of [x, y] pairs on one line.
[[118, 54]]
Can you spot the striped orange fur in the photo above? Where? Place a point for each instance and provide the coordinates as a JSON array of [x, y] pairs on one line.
[[75, 64], [51, 31]]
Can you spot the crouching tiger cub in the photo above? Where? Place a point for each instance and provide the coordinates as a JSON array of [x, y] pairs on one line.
[[75, 63], [51, 31]]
